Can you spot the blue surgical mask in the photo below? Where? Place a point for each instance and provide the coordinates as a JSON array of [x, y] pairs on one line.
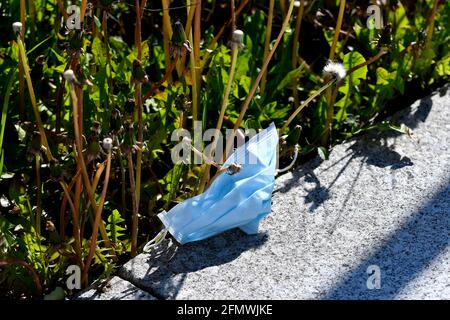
[[233, 200]]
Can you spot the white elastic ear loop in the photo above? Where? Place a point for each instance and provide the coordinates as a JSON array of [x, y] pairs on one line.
[[292, 163], [155, 241]]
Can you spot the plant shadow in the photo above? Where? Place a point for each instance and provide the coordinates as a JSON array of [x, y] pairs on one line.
[[404, 255], [370, 149], [169, 264]]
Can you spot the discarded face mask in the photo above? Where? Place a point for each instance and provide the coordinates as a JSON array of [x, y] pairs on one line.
[[240, 199]]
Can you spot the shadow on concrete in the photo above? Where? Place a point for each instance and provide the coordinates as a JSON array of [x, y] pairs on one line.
[[373, 149], [401, 257], [170, 263]]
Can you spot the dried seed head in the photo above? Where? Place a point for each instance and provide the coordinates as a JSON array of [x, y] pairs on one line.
[[107, 144], [335, 70], [182, 102], [40, 59], [69, 75], [17, 27], [96, 128], [234, 168], [115, 121], [49, 226], [237, 38]]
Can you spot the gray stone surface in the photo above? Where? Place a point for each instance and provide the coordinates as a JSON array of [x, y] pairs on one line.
[[115, 289], [382, 199]]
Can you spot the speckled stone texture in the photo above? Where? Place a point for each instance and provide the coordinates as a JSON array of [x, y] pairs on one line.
[[115, 289], [381, 199]]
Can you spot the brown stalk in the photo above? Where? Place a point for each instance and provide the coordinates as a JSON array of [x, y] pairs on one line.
[[134, 224], [219, 35], [295, 46], [76, 227], [252, 92], [64, 204], [31, 271], [267, 42], [81, 162], [21, 69], [329, 94], [98, 217]]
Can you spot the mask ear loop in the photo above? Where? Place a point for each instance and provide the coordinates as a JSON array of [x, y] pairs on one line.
[[278, 171], [155, 241]]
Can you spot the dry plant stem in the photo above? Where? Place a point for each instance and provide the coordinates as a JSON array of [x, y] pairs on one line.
[[83, 11], [197, 30], [31, 271], [76, 227], [298, 27], [167, 30], [187, 30], [59, 99], [142, 6], [197, 39], [21, 67], [78, 191], [122, 180], [138, 101], [32, 14], [304, 104], [431, 21], [38, 195], [62, 211], [213, 43], [166, 77], [140, 141], [233, 16], [337, 30], [283, 8], [329, 94], [234, 54], [98, 217], [62, 9], [267, 42], [368, 62], [108, 50], [295, 46], [37, 115], [81, 162], [192, 65], [249, 98], [98, 175], [134, 223], [327, 85]]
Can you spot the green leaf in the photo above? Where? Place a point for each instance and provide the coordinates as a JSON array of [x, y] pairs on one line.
[[443, 67], [323, 153], [99, 51], [352, 59], [20, 132], [383, 76], [290, 77], [114, 226], [399, 20]]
